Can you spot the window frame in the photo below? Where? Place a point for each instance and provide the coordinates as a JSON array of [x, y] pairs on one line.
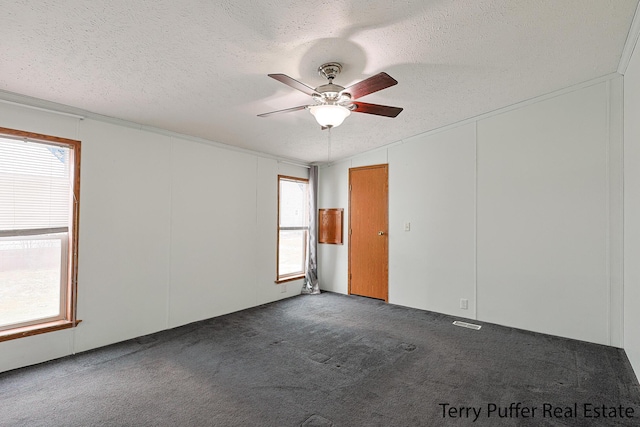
[[297, 275], [69, 289]]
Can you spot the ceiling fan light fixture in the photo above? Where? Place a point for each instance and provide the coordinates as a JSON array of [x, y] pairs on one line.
[[333, 103], [329, 115]]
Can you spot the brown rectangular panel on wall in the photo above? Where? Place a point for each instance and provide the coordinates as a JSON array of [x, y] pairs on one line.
[[330, 223]]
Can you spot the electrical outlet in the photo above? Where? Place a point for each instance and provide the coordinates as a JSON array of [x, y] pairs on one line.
[[407, 226], [464, 303], [283, 288]]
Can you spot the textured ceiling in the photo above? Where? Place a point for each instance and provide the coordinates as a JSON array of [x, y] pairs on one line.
[[200, 67]]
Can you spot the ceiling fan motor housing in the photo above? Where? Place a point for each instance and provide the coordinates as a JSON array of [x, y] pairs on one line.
[[331, 94], [330, 70]]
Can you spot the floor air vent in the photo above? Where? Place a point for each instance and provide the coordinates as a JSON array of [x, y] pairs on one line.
[[467, 325]]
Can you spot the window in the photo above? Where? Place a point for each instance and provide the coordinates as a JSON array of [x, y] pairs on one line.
[[293, 227], [39, 189]]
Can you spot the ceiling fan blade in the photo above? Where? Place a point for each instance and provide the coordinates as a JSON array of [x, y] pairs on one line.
[[372, 84], [287, 110], [283, 78], [378, 110]]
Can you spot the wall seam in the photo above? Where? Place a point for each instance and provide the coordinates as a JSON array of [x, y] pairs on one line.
[[608, 213], [620, 224], [615, 226], [622, 216], [475, 222], [169, 275], [257, 224]]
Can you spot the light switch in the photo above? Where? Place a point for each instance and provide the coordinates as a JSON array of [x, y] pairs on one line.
[[407, 226]]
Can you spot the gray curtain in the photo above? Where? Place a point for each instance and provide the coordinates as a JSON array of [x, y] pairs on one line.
[[311, 285]]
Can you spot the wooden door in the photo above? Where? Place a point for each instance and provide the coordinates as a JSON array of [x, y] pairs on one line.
[[368, 225]]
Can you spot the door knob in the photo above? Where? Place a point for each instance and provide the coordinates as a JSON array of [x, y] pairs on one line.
[[380, 233]]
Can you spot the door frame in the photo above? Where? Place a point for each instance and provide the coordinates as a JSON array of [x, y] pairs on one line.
[[384, 166]]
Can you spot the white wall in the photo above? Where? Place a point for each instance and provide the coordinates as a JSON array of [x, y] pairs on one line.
[[123, 261], [518, 212], [213, 223], [632, 211], [432, 187], [171, 231], [542, 216]]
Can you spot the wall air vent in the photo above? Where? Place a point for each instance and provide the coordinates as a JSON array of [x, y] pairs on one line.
[[467, 325]]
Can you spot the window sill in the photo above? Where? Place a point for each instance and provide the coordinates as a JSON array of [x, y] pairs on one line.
[[40, 328], [290, 279]]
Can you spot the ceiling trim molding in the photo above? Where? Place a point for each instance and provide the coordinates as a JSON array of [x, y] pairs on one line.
[[507, 108], [29, 102], [630, 43], [46, 110]]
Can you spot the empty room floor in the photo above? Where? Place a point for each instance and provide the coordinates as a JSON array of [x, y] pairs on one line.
[[329, 360]]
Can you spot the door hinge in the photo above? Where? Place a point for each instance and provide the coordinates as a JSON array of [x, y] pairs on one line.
[[350, 232], [350, 187]]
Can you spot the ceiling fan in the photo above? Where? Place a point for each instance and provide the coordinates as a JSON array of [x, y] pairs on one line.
[[334, 103]]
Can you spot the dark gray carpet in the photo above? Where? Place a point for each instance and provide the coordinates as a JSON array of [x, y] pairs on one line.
[[327, 360]]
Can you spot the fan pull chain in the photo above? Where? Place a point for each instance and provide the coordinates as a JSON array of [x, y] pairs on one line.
[[329, 147]]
